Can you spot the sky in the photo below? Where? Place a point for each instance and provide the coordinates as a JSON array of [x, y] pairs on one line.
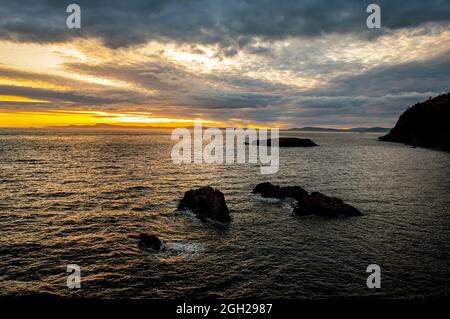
[[246, 63]]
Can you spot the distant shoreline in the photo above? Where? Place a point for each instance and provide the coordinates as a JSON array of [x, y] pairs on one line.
[[337, 130], [129, 127]]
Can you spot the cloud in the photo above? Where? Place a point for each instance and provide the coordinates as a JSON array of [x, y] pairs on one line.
[[291, 62], [424, 76], [228, 100], [230, 24], [109, 97], [379, 95]]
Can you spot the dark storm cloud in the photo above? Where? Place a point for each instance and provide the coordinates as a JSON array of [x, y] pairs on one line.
[[232, 24]]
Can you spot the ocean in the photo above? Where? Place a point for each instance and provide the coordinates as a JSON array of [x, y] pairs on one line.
[[83, 196]]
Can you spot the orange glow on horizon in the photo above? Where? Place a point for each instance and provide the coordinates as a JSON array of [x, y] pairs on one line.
[[40, 119], [74, 118]]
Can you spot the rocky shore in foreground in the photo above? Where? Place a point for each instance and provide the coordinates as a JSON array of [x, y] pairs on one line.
[[209, 203]]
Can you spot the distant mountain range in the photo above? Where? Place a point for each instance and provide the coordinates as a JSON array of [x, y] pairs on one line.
[[356, 129], [309, 129], [105, 126], [120, 126]]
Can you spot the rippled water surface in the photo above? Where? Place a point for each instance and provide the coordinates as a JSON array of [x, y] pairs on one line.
[[74, 197]]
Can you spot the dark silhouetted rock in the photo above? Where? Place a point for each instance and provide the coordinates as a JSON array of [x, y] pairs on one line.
[[206, 202], [295, 192], [263, 187], [267, 189], [149, 242], [314, 204], [425, 124], [291, 142], [321, 205]]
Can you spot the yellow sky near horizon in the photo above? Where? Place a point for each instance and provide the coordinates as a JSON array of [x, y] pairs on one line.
[[41, 119], [62, 118]]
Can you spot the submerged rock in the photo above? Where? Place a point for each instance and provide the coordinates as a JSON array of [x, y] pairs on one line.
[[291, 142], [274, 191], [206, 202], [149, 241], [322, 205]]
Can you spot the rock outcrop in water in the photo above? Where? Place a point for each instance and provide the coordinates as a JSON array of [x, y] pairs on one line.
[[322, 205], [308, 204], [206, 202], [425, 124], [291, 142], [149, 242], [274, 191]]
